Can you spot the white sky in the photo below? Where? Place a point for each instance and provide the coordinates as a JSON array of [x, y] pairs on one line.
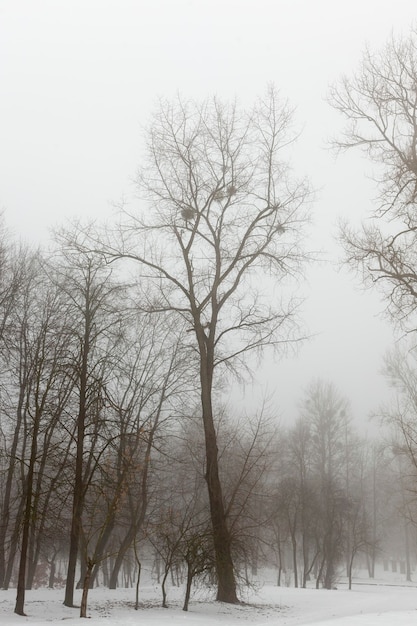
[[79, 78]]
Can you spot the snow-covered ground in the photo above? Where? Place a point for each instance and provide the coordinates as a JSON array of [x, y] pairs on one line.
[[268, 605]]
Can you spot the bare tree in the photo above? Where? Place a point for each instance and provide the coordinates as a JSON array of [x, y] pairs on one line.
[[248, 446], [44, 344], [179, 526], [16, 276], [400, 415], [299, 465], [94, 316], [326, 411], [148, 383], [380, 104], [222, 213]]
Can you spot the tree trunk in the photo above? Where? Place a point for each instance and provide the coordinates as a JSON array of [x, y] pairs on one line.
[[6, 505], [157, 565], [5, 517], [294, 558], [407, 553], [78, 494], [137, 581], [350, 569], [188, 587], [101, 546], [123, 548], [320, 573], [164, 593], [226, 590], [52, 573], [86, 587], [292, 528], [105, 568], [13, 545], [306, 567], [21, 581]]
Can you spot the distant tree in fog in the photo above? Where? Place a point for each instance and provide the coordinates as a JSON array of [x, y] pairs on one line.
[[400, 415], [315, 487]]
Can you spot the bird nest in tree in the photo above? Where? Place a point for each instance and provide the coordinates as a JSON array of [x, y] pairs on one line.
[[188, 213], [223, 194]]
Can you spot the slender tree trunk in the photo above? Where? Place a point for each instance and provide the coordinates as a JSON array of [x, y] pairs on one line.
[[279, 560], [294, 558], [188, 587], [105, 568], [320, 572], [78, 494], [82, 552], [86, 587], [157, 563], [163, 589], [21, 581], [407, 553], [14, 541], [137, 586], [306, 568], [371, 568], [173, 578], [139, 564], [350, 568], [74, 541], [52, 571]]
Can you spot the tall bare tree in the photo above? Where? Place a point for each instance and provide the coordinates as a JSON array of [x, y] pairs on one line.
[[218, 243]]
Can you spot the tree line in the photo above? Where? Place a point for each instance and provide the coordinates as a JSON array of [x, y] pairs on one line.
[[103, 456], [116, 344]]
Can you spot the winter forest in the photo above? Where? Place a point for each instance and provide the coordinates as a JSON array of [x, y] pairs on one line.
[[118, 340]]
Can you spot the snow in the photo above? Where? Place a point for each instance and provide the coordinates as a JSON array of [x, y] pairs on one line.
[[268, 605]]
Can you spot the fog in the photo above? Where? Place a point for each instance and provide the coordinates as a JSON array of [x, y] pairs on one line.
[[79, 80]]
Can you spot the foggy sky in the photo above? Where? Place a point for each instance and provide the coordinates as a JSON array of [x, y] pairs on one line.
[[79, 79]]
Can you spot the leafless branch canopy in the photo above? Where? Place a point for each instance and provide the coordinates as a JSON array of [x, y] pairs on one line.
[[223, 223], [380, 104]]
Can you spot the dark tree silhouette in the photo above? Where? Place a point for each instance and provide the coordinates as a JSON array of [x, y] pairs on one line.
[[222, 213]]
